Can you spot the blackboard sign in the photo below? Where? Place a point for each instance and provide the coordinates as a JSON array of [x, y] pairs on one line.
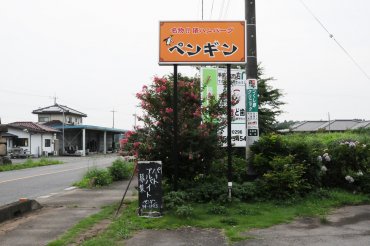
[[150, 188]]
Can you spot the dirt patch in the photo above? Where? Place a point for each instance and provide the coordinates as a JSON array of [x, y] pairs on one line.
[[188, 236], [11, 225], [352, 220], [92, 232]]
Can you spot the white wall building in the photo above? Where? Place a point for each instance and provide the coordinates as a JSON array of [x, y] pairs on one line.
[[35, 139]]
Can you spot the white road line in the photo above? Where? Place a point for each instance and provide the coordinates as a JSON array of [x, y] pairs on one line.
[[38, 175], [43, 197], [70, 188]]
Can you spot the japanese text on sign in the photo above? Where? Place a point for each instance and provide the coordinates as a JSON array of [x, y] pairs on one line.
[[150, 186], [202, 42]]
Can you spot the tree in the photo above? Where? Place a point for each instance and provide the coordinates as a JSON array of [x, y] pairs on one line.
[[269, 100], [199, 128]]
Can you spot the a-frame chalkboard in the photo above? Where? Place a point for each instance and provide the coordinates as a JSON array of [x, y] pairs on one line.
[[150, 188]]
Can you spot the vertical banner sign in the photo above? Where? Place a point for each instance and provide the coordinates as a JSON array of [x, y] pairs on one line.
[[150, 188], [213, 83], [252, 111], [202, 42]]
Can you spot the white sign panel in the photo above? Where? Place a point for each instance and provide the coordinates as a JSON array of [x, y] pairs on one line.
[[238, 108]]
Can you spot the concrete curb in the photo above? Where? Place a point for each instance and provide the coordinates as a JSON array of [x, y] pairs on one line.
[[17, 209]]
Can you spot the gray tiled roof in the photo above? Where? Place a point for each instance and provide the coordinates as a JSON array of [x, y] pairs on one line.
[[334, 125], [32, 127], [58, 109], [340, 125], [309, 126], [363, 124]]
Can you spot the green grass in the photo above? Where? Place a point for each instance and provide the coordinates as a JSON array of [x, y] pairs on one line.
[[95, 177], [239, 217], [83, 225], [29, 163]]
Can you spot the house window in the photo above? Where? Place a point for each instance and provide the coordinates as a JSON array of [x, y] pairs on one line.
[[21, 142], [44, 119], [47, 142], [69, 119]]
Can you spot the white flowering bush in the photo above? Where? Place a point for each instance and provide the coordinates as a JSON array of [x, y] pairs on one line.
[[344, 162], [325, 161]]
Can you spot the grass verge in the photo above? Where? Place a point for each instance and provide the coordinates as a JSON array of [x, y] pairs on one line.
[[85, 224], [29, 163], [238, 218]]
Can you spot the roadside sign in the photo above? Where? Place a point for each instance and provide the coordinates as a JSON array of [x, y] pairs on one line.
[[202, 42], [213, 82], [252, 111], [150, 188]]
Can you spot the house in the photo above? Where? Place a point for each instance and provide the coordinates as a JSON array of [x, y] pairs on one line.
[[62, 113], [33, 139], [330, 126], [75, 137]]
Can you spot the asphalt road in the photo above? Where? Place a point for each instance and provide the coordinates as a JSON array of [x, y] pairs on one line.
[[39, 182]]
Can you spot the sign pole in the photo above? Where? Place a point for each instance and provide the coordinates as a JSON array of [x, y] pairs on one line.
[[229, 157], [175, 127], [251, 67]]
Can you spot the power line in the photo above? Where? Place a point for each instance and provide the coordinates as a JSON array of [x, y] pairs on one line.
[[335, 40]]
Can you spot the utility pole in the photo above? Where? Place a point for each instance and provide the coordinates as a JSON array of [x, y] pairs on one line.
[[135, 117], [113, 111], [252, 75]]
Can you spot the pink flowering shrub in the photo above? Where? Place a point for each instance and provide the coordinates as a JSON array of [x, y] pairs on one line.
[[198, 128]]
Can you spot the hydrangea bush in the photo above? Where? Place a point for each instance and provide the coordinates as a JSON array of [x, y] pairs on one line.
[[301, 166], [347, 162]]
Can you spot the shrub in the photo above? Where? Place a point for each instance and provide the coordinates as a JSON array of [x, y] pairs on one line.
[[209, 189], [345, 161], [285, 179], [185, 211], [121, 170], [239, 169], [95, 178], [246, 191], [198, 128], [175, 199], [217, 209], [363, 183]]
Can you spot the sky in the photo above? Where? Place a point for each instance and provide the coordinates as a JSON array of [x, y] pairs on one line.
[[94, 56]]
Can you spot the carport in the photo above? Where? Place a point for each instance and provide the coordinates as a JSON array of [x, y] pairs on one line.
[[87, 139]]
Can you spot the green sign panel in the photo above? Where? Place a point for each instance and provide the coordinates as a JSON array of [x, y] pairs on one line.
[[252, 100], [209, 81]]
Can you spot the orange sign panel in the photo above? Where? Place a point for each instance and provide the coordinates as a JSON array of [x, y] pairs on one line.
[[202, 42]]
